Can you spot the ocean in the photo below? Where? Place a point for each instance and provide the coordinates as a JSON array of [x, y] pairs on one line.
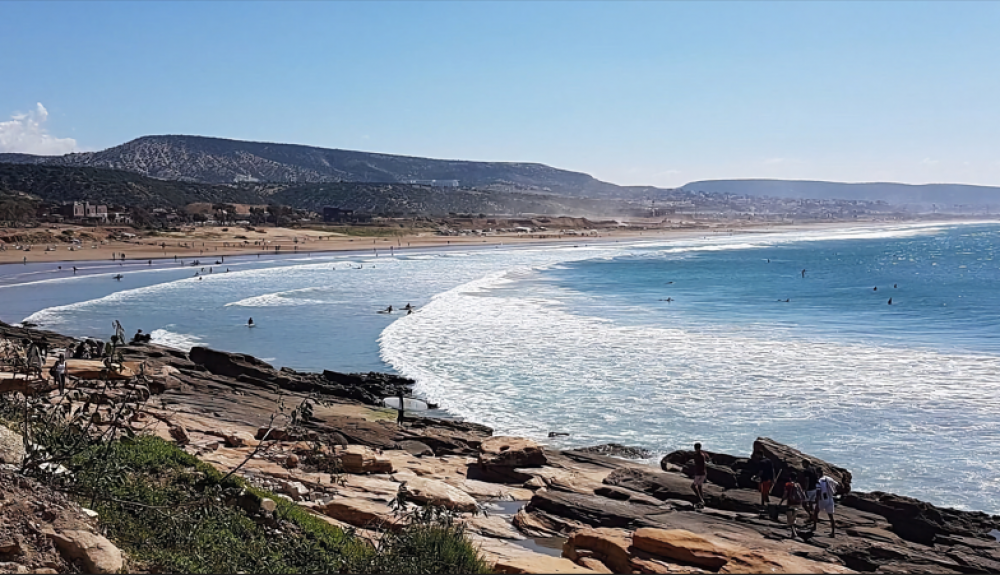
[[718, 339]]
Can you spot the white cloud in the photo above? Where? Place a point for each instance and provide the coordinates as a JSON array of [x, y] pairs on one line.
[[26, 133]]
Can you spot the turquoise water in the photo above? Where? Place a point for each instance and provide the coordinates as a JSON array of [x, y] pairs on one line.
[[580, 339]]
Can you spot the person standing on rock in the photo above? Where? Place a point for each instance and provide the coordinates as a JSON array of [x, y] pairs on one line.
[[826, 488], [765, 480], [701, 460], [402, 406], [59, 372], [795, 497]]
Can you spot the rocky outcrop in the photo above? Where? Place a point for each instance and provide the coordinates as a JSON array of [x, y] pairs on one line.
[[433, 492], [786, 457], [95, 552], [360, 459]]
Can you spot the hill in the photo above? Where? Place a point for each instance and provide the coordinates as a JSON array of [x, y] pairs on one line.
[[221, 161], [926, 194], [116, 187]]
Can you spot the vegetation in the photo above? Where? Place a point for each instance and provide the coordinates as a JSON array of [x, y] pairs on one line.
[[171, 512]]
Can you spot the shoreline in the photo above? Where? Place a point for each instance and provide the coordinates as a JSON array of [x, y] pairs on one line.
[[312, 241], [571, 496]]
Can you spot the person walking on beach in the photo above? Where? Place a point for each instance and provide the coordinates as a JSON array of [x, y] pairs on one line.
[[701, 460], [794, 495], [826, 489]]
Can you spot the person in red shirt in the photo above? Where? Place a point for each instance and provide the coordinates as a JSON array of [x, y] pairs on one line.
[[701, 460], [794, 494]]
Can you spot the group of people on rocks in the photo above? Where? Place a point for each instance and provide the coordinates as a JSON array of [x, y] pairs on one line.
[[809, 489]]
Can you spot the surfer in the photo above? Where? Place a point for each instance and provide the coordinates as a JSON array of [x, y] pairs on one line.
[[119, 277], [74, 270], [250, 322], [876, 288], [893, 286], [890, 301], [803, 273], [387, 310], [408, 307]]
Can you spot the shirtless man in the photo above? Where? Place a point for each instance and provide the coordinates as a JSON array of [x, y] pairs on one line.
[[700, 474]]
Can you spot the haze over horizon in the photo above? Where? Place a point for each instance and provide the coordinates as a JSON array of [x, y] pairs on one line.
[[631, 93]]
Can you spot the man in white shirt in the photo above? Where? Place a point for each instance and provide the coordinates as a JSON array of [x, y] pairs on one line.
[[826, 488]]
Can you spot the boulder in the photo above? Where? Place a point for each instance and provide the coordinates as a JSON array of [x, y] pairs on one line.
[[284, 434], [434, 492], [682, 546], [236, 438], [294, 489], [361, 513], [97, 554], [510, 452], [660, 485], [231, 364], [361, 459], [785, 457], [609, 546], [11, 446], [416, 448], [589, 510]]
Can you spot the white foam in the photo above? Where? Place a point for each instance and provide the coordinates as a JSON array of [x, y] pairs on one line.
[[181, 341], [527, 367]]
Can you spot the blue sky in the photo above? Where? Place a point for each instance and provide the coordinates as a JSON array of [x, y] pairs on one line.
[[656, 93]]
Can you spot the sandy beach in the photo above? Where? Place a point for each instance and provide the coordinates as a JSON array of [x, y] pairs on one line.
[[102, 244]]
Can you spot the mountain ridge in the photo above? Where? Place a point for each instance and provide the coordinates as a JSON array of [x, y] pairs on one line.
[[891, 192], [210, 160]]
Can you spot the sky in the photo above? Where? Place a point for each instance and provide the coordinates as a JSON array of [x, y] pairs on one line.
[[635, 93]]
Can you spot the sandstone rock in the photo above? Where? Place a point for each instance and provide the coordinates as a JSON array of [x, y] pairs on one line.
[[510, 452], [539, 564], [90, 513], [681, 545], [9, 547], [180, 434], [589, 510], [785, 457], [609, 546], [97, 554], [660, 485], [416, 448], [595, 565], [535, 483], [294, 489], [434, 492], [268, 505], [291, 461], [11, 446], [284, 434], [493, 526], [361, 513], [617, 450], [235, 438], [361, 459]]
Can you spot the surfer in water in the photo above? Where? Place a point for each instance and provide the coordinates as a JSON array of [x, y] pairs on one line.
[[387, 310], [803, 273], [408, 307], [890, 301], [250, 322], [119, 277]]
